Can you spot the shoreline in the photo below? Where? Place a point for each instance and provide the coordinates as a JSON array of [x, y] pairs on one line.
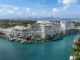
[[30, 42], [3, 36]]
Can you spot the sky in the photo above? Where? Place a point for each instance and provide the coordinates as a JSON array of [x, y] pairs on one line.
[[39, 8]]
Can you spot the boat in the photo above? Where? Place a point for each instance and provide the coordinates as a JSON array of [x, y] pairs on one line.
[[71, 58]]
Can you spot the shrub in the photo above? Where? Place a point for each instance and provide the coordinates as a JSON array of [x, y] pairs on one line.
[[48, 37], [28, 37], [1, 33], [38, 39]]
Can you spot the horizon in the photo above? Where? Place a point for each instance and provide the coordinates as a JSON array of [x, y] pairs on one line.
[[44, 19], [39, 9]]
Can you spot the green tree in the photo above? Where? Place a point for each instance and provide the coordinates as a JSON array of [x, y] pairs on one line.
[[18, 35], [37, 36], [28, 37], [57, 34], [61, 33], [1, 33], [79, 39], [11, 35], [39, 39], [77, 49], [48, 37], [77, 54]]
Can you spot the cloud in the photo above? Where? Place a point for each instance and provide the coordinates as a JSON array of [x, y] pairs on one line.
[[28, 10], [34, 13], [55, 10], [65, 7], [16, 11], [7, 9], [15, 8], [67, 3], [6, 12], [5, 6], [10, 11]]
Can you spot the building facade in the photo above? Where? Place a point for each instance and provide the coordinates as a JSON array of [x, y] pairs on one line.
[[67, 27], [41, 28]]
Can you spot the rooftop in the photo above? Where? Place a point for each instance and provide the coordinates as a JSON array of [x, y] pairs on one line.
[[43, 21], [19, 27]]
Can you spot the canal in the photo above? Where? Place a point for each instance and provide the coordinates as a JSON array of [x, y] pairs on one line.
[[60, 49]]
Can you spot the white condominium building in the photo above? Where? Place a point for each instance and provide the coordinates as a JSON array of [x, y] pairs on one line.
[[46, 28], [41, 28], [6, 31], [66, 26]]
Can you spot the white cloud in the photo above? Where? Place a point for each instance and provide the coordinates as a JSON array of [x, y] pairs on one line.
[[10, 11], [55, 10], [67, 3], [6, 12], [28, 10], [34, 13], [15, 8], [3, 5], [65, 7], [59, 1]]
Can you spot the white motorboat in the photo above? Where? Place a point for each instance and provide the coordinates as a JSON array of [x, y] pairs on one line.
[[71, 58]]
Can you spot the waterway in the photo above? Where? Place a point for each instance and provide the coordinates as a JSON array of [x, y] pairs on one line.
[[60, 49]]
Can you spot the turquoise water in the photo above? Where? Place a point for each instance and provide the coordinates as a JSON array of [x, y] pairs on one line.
[[56, 50]]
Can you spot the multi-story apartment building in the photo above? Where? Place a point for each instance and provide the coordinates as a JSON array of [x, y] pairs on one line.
[[67, 27], [45, 27], [6, 31], [41, 28]]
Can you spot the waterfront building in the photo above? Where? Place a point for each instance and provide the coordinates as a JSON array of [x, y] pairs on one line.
[[18, 31], [78, 28], [40, 28], [67, 27], [21, 31], [6, 31], [45, 27]]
